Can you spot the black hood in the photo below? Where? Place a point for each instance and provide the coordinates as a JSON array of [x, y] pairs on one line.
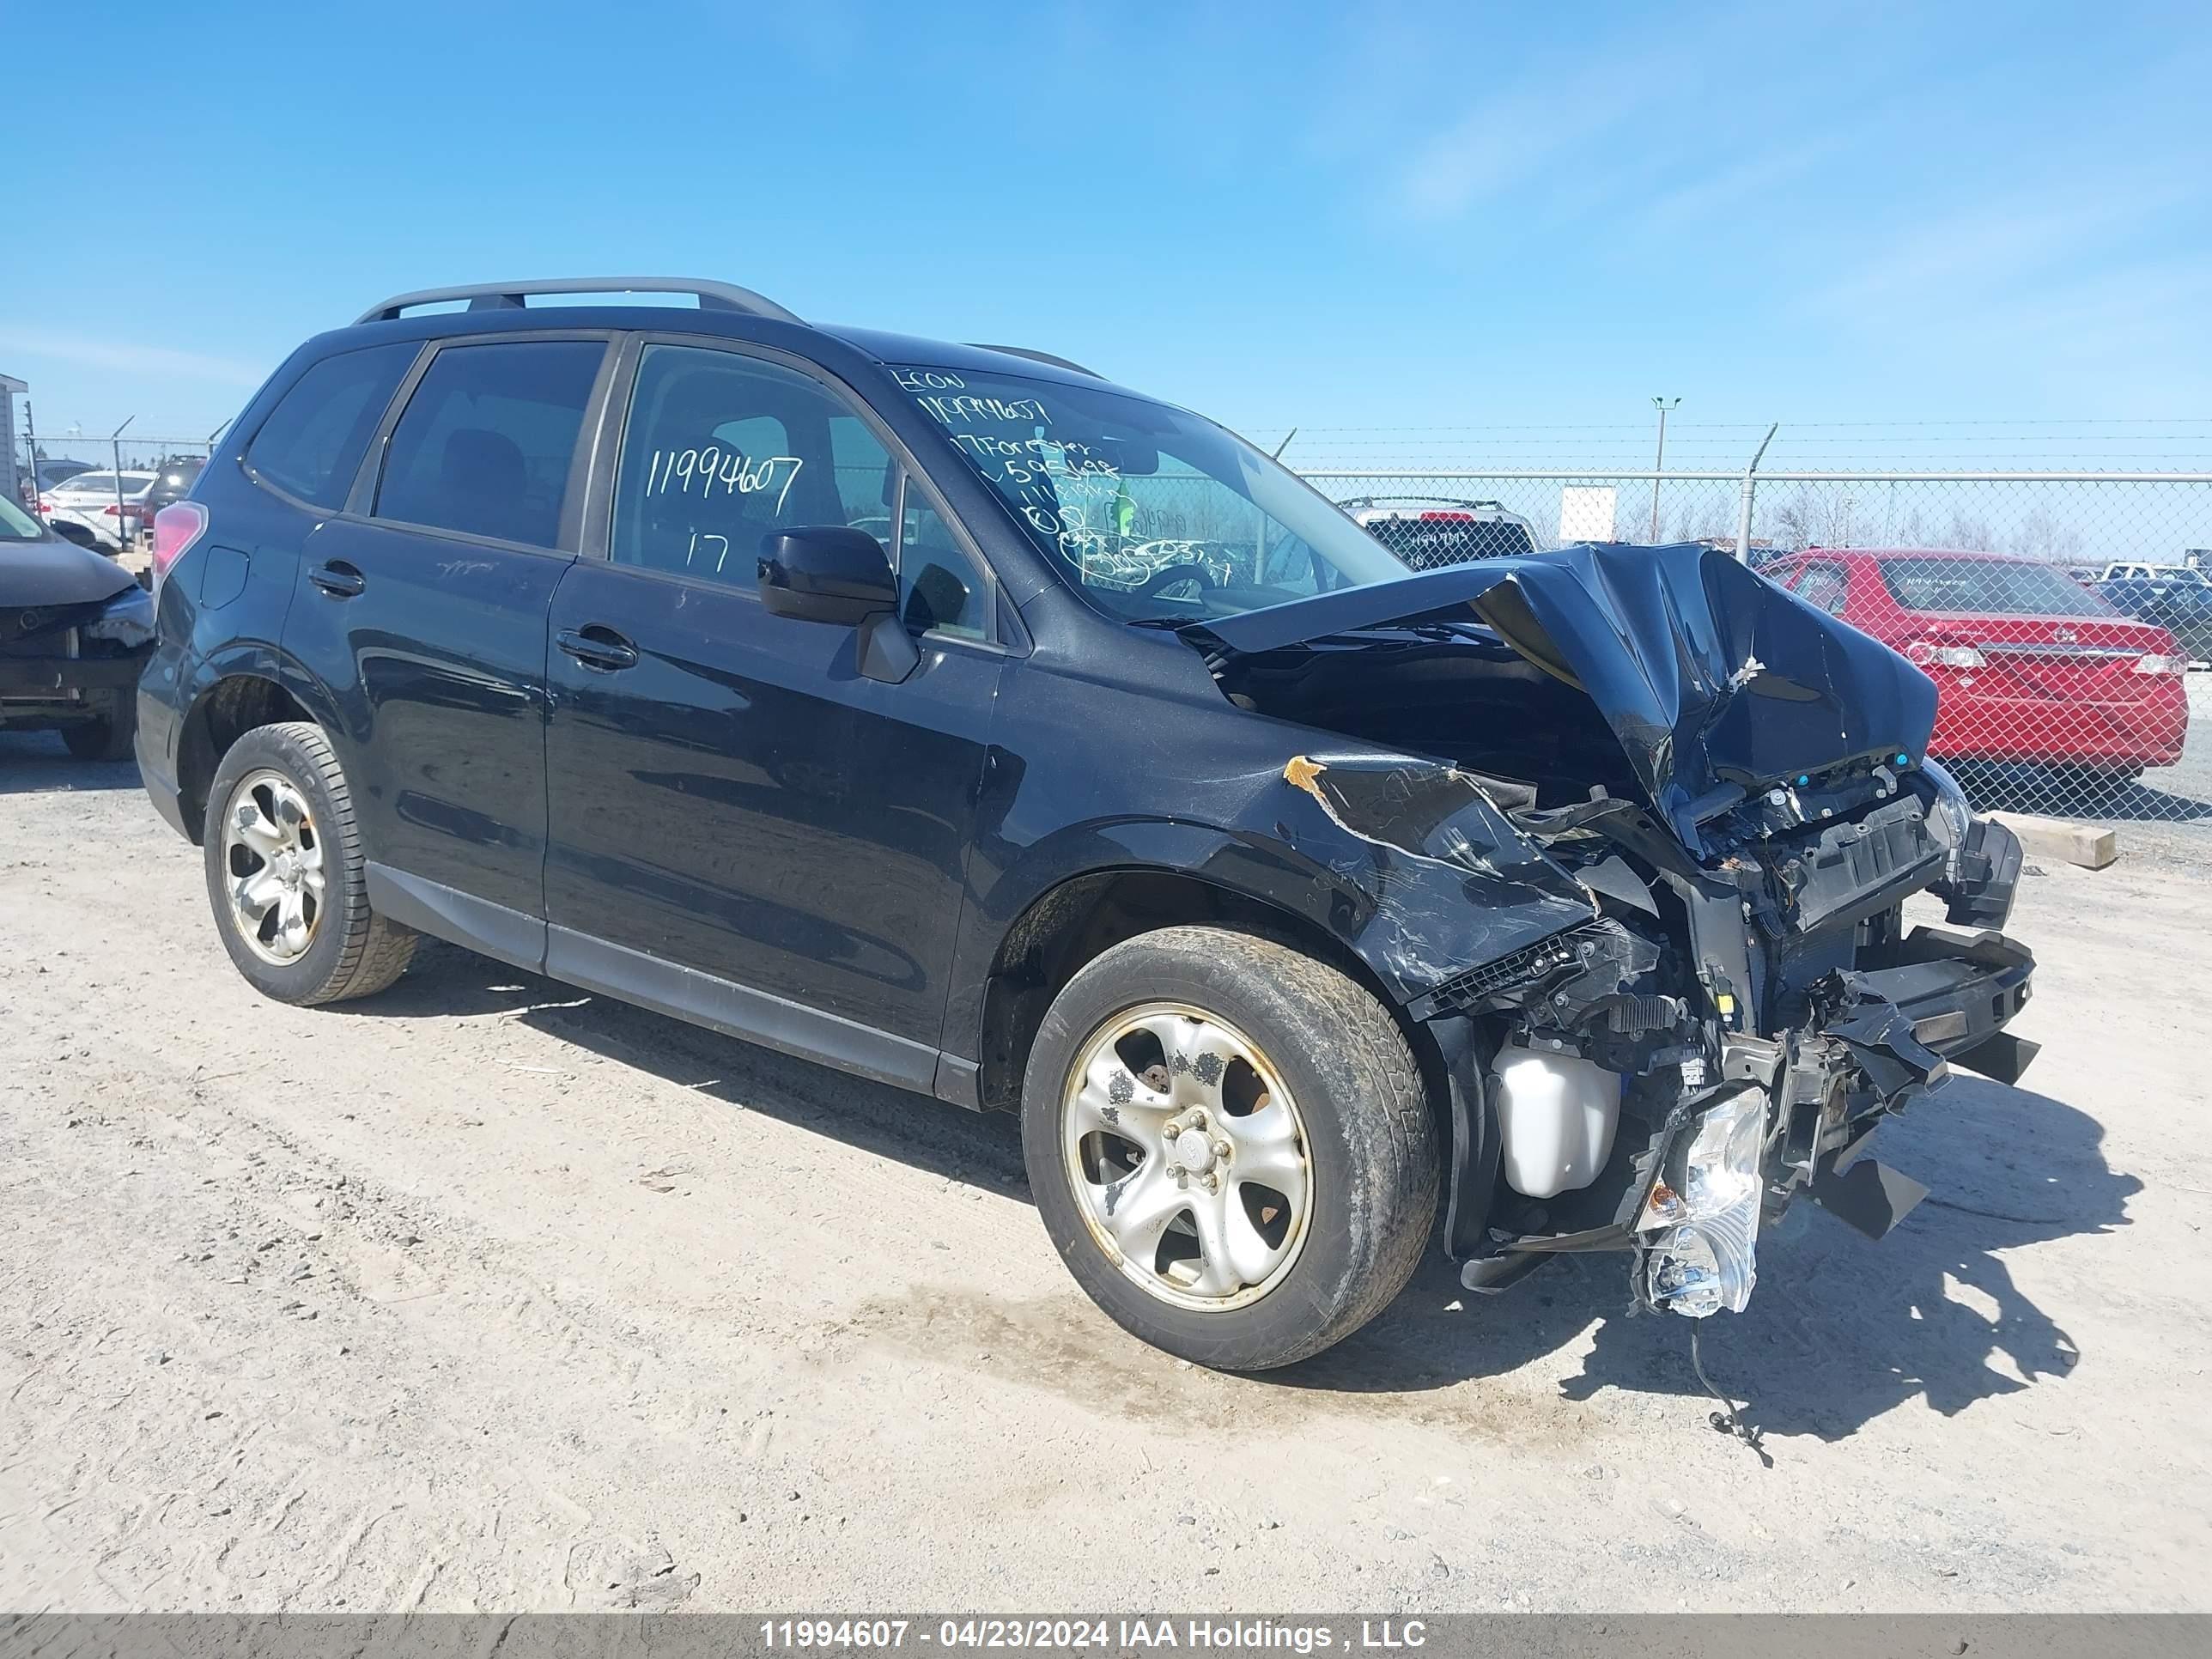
[[55, 572], [1714, 680]]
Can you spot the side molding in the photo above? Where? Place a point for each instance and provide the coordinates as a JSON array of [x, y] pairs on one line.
[[668, 988], [446, 913]]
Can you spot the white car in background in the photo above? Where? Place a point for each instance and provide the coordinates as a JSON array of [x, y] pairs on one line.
[[91, 510]]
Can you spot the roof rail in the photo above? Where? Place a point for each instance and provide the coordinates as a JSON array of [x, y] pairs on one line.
[[510, 296], [1038, 357]]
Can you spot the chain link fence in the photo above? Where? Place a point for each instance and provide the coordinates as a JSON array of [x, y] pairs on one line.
[[60, 454], [103, 492], [2066, 617]]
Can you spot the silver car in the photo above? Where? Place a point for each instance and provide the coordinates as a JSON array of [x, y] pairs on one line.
[[109, 508]]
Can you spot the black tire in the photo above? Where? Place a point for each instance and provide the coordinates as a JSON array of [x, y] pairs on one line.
[[353, 952], [1371, 1139], [107, 739]]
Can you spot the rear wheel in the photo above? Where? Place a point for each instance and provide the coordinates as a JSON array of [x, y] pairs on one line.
[[284, 872], [1229, 1145]]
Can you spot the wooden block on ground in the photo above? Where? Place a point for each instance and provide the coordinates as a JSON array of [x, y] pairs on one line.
[[2084, 844]]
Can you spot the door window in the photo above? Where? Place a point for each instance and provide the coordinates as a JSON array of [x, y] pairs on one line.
[[486, 441], [721, 451]]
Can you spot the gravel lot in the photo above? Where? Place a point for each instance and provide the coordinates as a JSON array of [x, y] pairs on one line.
[[489, 1295]]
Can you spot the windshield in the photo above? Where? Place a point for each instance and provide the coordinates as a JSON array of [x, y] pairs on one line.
[[1151, 513], [1985, 588], [17, 525]]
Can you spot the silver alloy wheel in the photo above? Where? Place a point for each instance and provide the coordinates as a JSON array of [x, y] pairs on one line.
[[272, 856], [1187, 1156]]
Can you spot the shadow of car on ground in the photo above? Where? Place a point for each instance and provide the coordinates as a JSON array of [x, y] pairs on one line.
[[1841, 1329], [36, 762]]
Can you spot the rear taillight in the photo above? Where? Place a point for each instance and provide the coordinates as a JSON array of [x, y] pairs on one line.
[[176, 528], [1929, 653], [1451, 518], [45, 508], [2156, 664]]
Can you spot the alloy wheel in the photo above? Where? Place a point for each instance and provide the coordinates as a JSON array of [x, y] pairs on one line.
[[1187, 1156], [273, 859]]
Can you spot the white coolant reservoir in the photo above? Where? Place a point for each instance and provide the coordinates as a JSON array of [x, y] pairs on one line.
[[1556, 1114]]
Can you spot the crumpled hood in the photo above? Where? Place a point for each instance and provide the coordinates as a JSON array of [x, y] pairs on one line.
[[1709, 674], [56, 572]]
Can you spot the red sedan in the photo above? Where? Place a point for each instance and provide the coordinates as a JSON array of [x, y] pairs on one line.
[[2028, 664]]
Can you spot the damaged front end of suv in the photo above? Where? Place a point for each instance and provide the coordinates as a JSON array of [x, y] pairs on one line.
[[1633, 828]]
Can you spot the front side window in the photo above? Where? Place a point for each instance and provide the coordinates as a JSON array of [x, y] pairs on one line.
[[1151, 513], [485, 444], [722, 450], [311, 443]]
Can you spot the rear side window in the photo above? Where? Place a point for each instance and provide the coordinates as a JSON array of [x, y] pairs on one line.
[[486, 441], [311, 443]]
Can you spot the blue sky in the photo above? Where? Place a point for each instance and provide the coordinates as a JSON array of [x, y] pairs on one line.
[[1372, 216]]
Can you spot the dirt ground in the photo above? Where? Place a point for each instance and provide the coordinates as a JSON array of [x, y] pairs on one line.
[[491, 1294]]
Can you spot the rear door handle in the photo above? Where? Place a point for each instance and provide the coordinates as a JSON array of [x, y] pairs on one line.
[[598, 647], [339, 579]]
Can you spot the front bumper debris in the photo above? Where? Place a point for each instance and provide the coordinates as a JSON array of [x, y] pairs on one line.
[[1893, 1034], [1793, 1113]]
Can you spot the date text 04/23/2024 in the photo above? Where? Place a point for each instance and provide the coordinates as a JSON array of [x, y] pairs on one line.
[[1076, 1635]]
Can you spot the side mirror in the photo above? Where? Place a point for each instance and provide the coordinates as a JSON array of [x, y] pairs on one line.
[[826, 573], [835, 574]]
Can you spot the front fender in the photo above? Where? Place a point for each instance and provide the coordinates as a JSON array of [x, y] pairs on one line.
[[1406, 862]]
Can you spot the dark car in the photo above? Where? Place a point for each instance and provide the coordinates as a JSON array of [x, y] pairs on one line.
[[173, 481], [951, 715], [46, 476], [75, 629], [2172, 596]]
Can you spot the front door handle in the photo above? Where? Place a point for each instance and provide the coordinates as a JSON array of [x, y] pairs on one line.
[[339, 579], [598, 647]]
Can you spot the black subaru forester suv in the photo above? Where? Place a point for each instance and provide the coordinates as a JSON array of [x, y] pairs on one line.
[[951, 715]]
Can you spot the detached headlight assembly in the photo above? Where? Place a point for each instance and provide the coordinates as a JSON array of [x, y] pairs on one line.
[[1701, 1243], [1949, 819]]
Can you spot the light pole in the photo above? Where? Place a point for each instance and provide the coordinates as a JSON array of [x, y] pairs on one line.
[[1664, 405]]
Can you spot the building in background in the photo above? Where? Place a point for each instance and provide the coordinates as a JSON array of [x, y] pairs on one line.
[[9, 390]]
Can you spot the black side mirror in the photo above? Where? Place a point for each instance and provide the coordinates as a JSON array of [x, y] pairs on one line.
[[828, 573], [835, 574]]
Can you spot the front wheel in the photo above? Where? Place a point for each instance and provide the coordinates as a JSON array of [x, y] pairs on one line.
[[108, 737], [1230, 1144]]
